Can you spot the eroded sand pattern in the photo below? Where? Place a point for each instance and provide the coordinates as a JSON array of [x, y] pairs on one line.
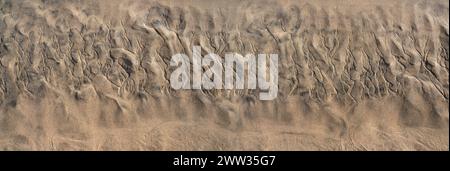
[[353, 75]]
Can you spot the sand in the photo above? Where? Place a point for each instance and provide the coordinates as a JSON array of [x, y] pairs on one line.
[[353, 75]]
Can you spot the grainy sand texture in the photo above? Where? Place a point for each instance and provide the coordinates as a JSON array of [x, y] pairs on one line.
[[353, 75]]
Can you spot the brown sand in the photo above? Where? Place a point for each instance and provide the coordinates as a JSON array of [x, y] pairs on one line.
[[354, 75]]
